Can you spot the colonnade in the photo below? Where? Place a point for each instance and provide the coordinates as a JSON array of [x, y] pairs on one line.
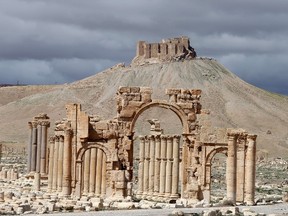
[[59, 177], [94, 173], [158, 173], [37, 147], [241, 168]]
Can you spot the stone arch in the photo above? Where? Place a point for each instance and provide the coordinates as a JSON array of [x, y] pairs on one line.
[[213, 152], [93, 184], [90, 145], [207, 175], [173, 107], [171, 181]]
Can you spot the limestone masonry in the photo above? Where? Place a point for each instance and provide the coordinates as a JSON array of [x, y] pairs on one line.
[[168, 50], [93, 158]]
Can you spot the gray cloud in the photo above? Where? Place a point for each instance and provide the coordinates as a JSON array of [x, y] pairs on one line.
[[64, 40]]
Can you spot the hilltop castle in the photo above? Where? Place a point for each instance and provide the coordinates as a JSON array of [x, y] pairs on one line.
[[168, 50]]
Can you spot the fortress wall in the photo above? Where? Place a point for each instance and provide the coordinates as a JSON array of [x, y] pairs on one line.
[[167, 48]]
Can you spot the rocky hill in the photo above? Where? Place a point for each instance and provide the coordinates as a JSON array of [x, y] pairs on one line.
[[232, 102]]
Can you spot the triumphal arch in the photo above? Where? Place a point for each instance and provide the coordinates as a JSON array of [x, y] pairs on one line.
[[94, 158]]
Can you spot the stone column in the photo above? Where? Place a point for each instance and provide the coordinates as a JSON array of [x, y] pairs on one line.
[[168, 182], [34, 146], [184, 165], [39, 139], [157, 164], [67, 157], [146, 168], [29, 149], [51, 162], [86, 172], [250, 170], [141, 165], [103, 176], [44, 126], [240, 173], [231, 167], [92, 171], [175, 167], [99, 173], [162, 166], [79, 178], [151, 165], [55, 164], [60, 165], [37, 181]]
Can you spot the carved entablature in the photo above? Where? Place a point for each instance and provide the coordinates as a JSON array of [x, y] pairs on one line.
[[41, 116], [41, 119]]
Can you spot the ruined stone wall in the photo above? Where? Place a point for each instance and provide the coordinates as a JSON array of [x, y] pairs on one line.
[[174, 48]]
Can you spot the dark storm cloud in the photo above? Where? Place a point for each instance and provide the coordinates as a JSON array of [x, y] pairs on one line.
[[64, 40]]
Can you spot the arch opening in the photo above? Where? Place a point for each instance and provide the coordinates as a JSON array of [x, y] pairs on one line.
[[94, 168], [156, 141], [218, 177]]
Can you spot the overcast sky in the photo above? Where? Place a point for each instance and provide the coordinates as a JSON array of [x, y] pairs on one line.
[[59, 41]]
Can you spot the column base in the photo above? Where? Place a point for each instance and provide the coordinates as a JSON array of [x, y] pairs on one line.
[[249, 203]]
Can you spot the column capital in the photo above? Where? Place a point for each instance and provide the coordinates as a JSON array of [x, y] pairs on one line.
[[176, 136], [61, 138], [252, 137], [157, 137], [151, 137], [57, 138], [45, 123], [68, 131], [142, 138], [30, 125], [163, 137], [52, 139], [168, 137], [232, 135], [34, 124]]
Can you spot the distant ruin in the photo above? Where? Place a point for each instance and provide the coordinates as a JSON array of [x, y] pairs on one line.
[[168, 50], [89, 157]]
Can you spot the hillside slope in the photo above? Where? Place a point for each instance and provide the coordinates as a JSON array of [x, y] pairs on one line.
[[232, 102]]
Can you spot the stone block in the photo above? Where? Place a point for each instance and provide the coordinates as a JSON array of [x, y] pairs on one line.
[[185, 105], [26, 207], [120, 185], [146, 90], [135, 89], [97, 202], [101, 125], [195, 91], [172, 91], [127, 113], [124, 89], [146, 98], [50, 206], [134, 104]]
